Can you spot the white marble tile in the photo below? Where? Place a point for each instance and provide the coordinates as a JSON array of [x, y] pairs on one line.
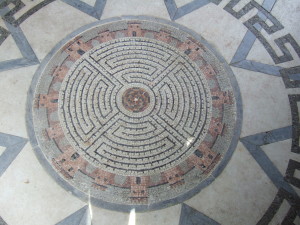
[[103, 216], [239, 5], [297, 221], [2, 23], [297, 173], [28, 4], [265, 102], [155, 8], [287, 13], [165, 216], [10, 46], [293, 91], [281, 9], [280, 154], [259, 54], [2, 149], [223, 3], [248, 15], [240, 195], [14, 85], [180, 3], [281, 213], [30, 196], [271, 40], [218, 27], [45, 28]]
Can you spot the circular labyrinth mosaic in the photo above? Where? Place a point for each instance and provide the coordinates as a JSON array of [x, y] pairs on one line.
[[135, 113]]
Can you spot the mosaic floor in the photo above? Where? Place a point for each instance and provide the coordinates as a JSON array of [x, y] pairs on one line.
[[149, 112]]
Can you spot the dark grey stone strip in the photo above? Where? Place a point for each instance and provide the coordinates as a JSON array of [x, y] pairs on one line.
[[244, 48], [80, 217], [270, 137], [258, 67], [239, 59], [294, 76], [82, 6], [9, 15], [99, 7], [294, 99], [4, 9], [32, 11], [190, 7], [290, 172], [268, 4], [294, 202], [253, 144], [176, 13], [22, 43], [171, 7], [190, 216], [291, 77], [2, 222], [29, 57], [290, 217], [268, 167], [229, 8], [15, 64], [255, 24], [286, 56], [3, 34], [13, 145], [94, 11]]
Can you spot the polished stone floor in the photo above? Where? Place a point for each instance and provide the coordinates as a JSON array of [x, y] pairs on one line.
[[259, 40]]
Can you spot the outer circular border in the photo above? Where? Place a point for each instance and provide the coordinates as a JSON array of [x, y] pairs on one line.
[[119, 207]]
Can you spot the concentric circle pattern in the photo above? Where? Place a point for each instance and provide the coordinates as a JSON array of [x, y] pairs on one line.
[[135, 113], [122, 140]]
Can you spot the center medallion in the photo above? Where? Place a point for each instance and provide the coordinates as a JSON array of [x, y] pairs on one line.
[[136, 99]]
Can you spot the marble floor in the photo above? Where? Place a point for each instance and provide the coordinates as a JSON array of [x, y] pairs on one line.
[[258, 40]]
